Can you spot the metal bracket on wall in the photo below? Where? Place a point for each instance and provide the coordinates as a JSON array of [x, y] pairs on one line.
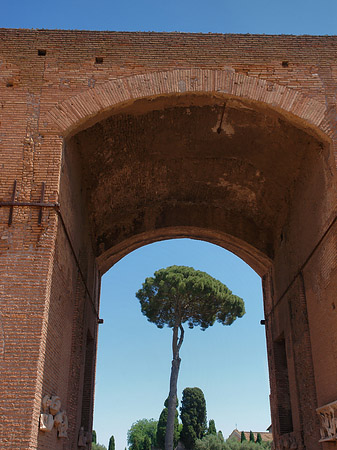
[[41, 204]]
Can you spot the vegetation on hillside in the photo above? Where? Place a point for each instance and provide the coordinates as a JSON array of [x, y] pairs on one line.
[[97, 447], [193, 432], [94, 444], [142, 435], [233, 444]]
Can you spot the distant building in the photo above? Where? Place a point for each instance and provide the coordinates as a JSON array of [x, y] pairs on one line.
[[266, 436]]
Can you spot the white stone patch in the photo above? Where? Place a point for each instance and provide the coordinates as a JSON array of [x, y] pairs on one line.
[[223, 125], [242, 192]]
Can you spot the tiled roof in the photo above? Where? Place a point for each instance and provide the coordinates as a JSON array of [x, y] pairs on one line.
[[266, 437]]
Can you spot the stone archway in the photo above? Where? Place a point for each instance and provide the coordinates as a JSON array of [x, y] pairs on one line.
[[212, 165], [242, 157]]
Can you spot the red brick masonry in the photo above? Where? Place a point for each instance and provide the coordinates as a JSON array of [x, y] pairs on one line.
[[110, 141]]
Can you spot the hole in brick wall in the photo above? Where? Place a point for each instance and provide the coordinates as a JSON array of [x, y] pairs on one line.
[[99, 60], [285, 63], [41, 52], [9, 83]]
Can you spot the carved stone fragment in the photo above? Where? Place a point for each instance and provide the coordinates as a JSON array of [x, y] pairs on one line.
[[55, 405], [46, 422], [52, 416], [289, 441], [83, 438], [328, 417], [61, 423], [46, 401]]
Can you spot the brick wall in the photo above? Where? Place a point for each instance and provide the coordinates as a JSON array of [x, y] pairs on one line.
[[57, 87]]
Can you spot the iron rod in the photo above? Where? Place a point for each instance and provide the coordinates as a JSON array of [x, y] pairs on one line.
[[10, 218]]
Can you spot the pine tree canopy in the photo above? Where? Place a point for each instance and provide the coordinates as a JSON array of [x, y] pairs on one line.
[[180, 294]]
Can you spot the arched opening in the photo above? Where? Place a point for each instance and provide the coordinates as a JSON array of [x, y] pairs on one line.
[[229, 364], [231, 171]]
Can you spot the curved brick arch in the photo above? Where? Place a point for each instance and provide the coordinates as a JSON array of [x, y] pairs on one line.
[[257, 260], [75, 111]]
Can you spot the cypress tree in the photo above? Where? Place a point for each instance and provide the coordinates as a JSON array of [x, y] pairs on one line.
[[259, 439], [243, 437], [111, 443], [161, 428], [94, 437], [251, 436], [211, 427], [193, 416]]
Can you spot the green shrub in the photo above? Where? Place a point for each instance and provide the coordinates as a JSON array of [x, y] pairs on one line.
[[210, 442]]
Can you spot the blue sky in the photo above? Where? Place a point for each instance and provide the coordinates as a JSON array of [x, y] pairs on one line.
[[220, 16], [227, 363]]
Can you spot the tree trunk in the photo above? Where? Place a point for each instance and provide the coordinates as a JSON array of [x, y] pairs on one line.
[[172, 400]]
